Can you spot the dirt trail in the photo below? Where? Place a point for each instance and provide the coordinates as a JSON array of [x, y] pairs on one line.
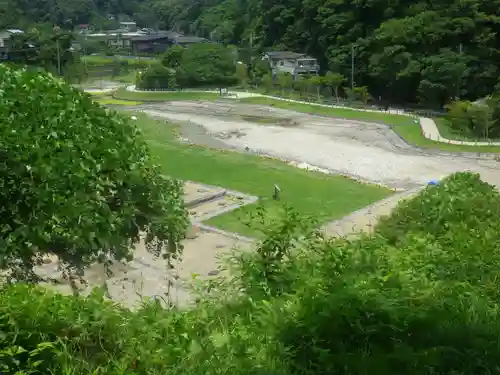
[[365, 219], [372, 152]]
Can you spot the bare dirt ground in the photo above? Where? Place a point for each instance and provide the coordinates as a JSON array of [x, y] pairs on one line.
[[148, 277], [372, 152]]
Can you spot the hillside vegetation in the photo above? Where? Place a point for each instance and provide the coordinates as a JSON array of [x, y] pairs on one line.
[[419, 297], [404, 51]]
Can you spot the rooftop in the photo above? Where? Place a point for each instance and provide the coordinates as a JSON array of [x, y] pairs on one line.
[[15, 31], [286, 55], [190, 39], [157, 35]]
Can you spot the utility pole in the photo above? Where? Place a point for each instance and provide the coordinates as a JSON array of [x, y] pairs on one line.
[[352, 67], [58, 57], [56, 29], [457, 96]]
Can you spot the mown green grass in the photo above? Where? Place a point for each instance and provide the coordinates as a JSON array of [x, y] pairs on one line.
[[351, 114], [163, 96], [448, 132], [103, 60], [310, 193], [413, 135], [106, 98], [112, 101]]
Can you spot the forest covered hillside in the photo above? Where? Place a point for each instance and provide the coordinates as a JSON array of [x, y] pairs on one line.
[[404, 51]]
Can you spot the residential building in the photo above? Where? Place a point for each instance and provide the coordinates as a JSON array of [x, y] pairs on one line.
[[186, 41], [128, 27], [160, 41], [5, 40], [153, 43], [145, 40], [83, 28], [291, 62], [120, 40]]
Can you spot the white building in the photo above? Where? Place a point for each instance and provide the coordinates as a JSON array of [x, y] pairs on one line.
[[291, 62]]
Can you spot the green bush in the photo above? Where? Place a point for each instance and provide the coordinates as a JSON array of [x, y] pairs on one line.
[[418, 297], [157, 77], [475, 120], [202, 65], [77, 180], [444, 207]]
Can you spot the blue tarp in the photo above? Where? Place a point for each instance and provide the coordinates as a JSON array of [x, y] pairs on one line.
[[433, 182]]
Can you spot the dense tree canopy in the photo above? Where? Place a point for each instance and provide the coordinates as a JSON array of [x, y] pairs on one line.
[[404, 51], [428, 52], [204, 64]]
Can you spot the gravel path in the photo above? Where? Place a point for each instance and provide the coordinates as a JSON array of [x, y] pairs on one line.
[[369, 151]]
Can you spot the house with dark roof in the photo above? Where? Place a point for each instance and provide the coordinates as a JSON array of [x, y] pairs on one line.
[[186, 41], [291, 62], [162, 40], [6, 37], [155, 42]]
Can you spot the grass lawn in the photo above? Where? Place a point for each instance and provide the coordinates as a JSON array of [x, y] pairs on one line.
[[113, 101], [106, 98], [162, 96], [447, 132], [351, 114], [103, 60], [129, 78], [413, 135], [326, 197]]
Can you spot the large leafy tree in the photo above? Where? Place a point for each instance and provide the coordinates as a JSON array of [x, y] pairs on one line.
[[76, 180], [203, 65]]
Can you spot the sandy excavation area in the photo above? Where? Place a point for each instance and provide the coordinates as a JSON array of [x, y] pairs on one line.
[[147, 277], [369, 151]]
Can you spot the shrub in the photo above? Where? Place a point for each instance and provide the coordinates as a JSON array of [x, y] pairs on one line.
[[420, 297], [404, 301], [478, 120], [157, 77], [459, 223], [76, 180], [202, 65]]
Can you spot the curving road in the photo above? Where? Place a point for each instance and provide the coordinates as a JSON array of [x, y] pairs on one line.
[[369, 151]]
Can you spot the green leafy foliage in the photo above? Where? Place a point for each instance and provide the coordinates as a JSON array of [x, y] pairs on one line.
[[439, 208], [157, 77], [418, 297], [404, 52], [202, 65], [43, 48], [475, 120], [76, 180]]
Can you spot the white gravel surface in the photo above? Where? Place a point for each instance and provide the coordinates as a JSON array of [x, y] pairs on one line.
[[369, 151]]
